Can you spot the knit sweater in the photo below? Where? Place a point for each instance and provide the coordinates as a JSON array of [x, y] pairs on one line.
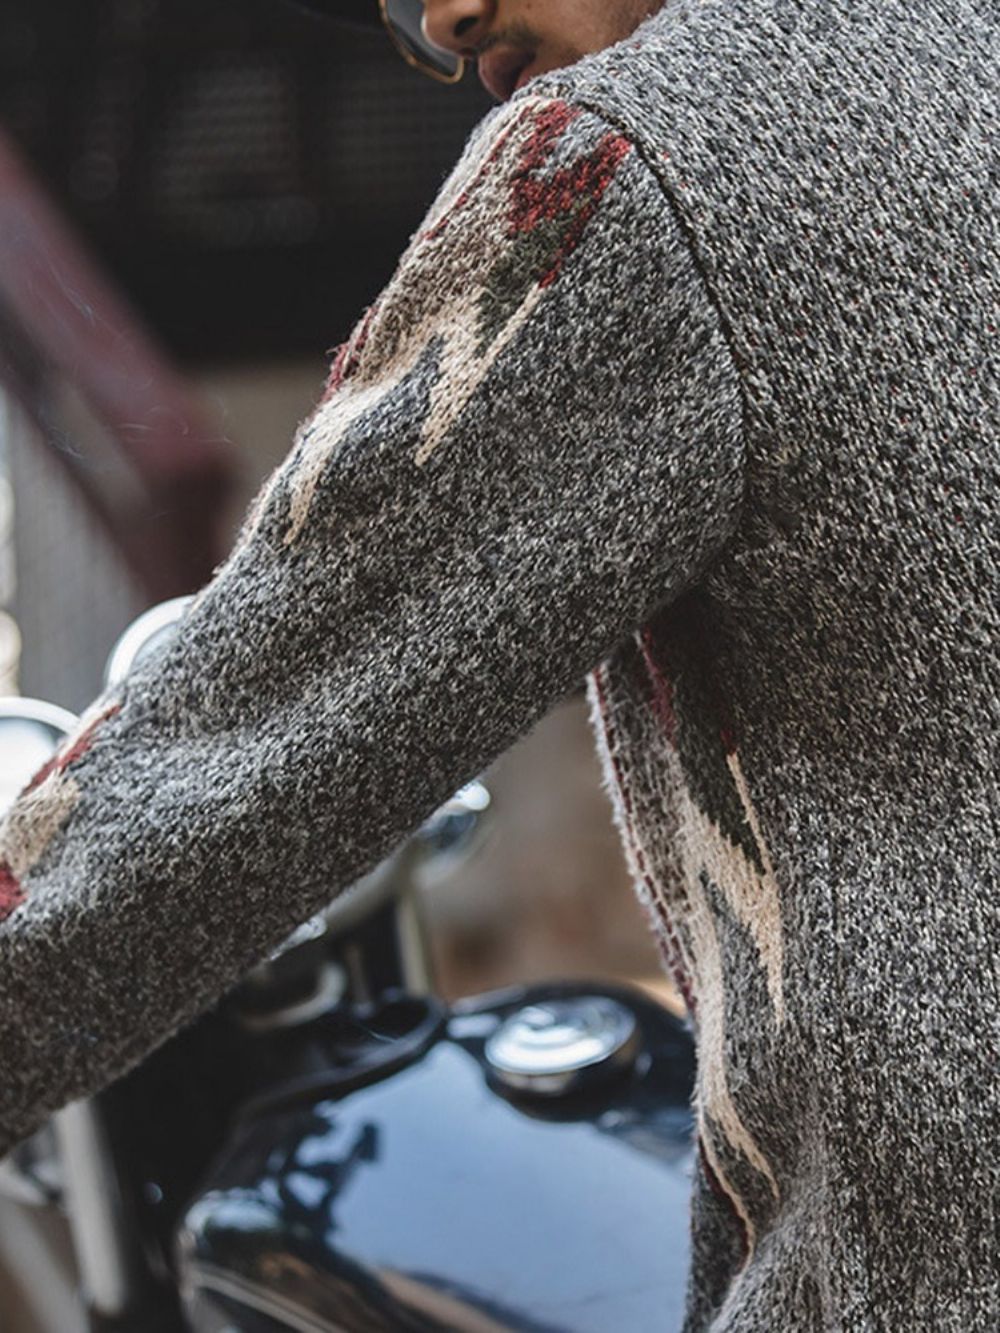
[[689, 382]]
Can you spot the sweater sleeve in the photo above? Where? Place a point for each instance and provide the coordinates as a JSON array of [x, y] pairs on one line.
[[531, 440]]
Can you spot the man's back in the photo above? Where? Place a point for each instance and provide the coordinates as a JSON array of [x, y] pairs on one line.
[[821, 713]]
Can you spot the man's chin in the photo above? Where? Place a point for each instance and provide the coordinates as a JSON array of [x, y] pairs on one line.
[[501, 69], [504, 74]]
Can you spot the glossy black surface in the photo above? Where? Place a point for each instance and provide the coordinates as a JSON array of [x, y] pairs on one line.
[[430, 1200]]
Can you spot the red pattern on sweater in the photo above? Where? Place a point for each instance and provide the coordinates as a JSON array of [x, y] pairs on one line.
[[536, 200], [432, 233], [348, 355], [664, 930], [663, 689], [656, 653], [62, 759], [11, 893]]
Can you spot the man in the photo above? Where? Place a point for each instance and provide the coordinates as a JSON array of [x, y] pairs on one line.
[[688, 381]]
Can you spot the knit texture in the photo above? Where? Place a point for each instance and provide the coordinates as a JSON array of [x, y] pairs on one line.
[[486, 500], [820, 716], [689, 380]]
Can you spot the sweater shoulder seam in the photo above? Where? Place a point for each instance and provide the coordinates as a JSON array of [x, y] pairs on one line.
[[686, 232]]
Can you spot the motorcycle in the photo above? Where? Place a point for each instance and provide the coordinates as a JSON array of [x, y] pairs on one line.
[[334, 1149]]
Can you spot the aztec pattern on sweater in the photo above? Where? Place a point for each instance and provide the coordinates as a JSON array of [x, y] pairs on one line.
[[494, 241], [821, 715], [691, 372], [454, 540]]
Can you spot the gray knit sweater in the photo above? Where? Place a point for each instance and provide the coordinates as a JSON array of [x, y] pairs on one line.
[[689, 381]]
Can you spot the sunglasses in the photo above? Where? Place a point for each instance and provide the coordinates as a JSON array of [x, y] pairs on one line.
[[403, 22]]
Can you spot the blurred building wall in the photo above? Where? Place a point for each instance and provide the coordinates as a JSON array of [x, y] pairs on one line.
[[68, 589]]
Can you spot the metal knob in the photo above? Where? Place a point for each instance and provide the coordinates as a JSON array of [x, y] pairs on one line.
[[30, 733], [153, 628], [558, 1047]]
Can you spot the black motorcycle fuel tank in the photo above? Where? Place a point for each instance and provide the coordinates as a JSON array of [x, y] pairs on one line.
[[519, 1162]]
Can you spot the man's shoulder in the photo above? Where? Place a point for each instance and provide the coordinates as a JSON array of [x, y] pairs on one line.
[[734, 76]]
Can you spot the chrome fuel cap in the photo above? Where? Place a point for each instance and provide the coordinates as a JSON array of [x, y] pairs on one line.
[[562, 1046]]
